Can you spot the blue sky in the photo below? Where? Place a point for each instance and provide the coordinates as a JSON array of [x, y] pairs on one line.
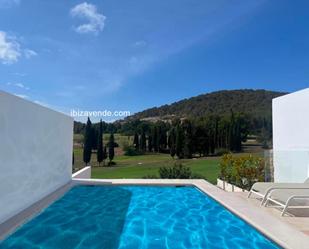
[[132, 55]]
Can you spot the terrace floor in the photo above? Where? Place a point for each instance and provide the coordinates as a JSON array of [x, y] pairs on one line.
[[298, 218]]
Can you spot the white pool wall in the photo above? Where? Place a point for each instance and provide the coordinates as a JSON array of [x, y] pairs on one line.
[[35, 153], [291, 137]]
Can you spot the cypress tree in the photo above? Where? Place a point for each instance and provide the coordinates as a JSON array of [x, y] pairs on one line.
[[169, 139], [143, 142], [159, 138], [87, 143], [104, 155], [150, 143], [187, 148], [111, 151], [179, 141], [211, 139], [155, 139], [172, 142], [100, 144], [238, 137], [94, 138], [136, 141], [232, 132], [163, 140]]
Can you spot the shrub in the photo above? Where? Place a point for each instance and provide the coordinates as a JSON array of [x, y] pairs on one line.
[[111, 163], [131, 151], [178, 171], [242, 171], [222, 151]]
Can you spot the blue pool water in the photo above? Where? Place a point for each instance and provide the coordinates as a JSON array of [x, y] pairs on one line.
[[136, 217]]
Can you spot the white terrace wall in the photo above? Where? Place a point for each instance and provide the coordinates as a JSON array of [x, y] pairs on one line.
[[291, 137], [35, 153]]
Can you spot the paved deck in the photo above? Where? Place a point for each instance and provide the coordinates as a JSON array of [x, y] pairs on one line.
[[299, 219]]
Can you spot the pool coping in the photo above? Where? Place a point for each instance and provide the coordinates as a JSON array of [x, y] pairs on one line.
[[270, 226]]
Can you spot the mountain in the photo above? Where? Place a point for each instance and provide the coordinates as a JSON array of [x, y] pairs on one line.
[[256, 103]]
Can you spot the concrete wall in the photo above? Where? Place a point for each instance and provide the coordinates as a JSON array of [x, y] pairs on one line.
[[35, 153], [291, 137]]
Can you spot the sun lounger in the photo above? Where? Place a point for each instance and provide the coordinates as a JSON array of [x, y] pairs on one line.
[[263, 189], [289, 198]]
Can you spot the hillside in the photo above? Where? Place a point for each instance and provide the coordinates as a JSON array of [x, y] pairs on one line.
[[256, 103]]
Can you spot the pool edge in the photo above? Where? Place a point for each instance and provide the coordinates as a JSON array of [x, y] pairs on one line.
[[271, 227]]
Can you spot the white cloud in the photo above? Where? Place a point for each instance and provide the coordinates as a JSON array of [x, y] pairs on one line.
[[89, 12], [19, 85], [22, 96], [141, 43], [20, 74], [9, 49], [29, 53], [8, 3]]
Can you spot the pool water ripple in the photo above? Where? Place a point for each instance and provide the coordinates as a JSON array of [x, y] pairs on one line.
[[133, 217]]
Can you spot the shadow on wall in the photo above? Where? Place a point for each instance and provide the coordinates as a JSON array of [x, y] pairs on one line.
[[86, 217]]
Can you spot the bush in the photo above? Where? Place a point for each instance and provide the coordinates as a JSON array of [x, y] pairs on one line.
[[222, 151], [131, 151], [178, 171], [242, 171], [112, 163]]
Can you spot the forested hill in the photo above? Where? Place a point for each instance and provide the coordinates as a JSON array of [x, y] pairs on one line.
[[256, 103]]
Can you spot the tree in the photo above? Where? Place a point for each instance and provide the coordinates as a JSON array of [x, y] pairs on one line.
[[155, 138], [111, 151], [143, 142], [87, 143], [179, 141], [136, 141], [104, 155], [187, 147], [161, 139], [150, 143], [232, 132], [172, 142], [100, 144], [94, 138]]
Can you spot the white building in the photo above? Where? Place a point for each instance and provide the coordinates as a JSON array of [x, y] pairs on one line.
[[291, 137]]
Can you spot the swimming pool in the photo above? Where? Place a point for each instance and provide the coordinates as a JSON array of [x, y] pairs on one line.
[[133, 217]]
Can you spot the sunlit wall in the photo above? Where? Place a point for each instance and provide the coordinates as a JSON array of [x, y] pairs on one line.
[[35, 153], [291, 137]]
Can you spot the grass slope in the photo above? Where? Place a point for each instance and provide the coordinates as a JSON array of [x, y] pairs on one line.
[[145, 165]]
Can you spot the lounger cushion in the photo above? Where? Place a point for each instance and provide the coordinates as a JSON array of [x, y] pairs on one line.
[[282, 196]]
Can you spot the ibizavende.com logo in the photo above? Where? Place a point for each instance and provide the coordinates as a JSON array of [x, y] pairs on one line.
[[101, 113]]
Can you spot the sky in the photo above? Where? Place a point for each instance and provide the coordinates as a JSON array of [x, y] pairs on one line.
[[122, 55]]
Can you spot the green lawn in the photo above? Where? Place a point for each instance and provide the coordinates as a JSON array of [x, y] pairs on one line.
[[148, 165]]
